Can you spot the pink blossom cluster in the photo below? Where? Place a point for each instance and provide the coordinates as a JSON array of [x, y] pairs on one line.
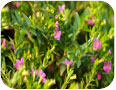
[[90, 22], [39, 74], [57, 32], [107, 66], [17, 4], [19, 63], [61, 8], [66, 62], [96, 44]]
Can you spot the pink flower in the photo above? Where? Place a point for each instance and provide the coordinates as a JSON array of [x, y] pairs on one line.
[[43, 75], [44, 80], [103, 58], [70, 62], [66, 62], [61, 8], [93, 58], [32, 71], [90, 22], [107, 66], [36, 72], [56, 24], [18, 63], [57, 33], [4, 43], [17, 4], [99, 76], [56, 17], [109, 52], [12, 47], [39, 74], [96, 44]]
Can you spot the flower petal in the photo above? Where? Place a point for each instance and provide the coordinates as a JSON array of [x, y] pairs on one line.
[[22, 61], [94, 46], [44, 80], [110, 63], [40, 72], [70, 62]]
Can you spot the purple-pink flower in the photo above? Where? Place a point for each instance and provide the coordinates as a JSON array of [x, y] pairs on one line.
[[32, 70], [93, 58], [57, 33], [43, 75], [19, 63], [90, 22], [109, 52], [56, 24], [99, 76], [56, 17], [66, 62], [17, 4], [107, 66], [12, 47], [36, 72], [103, 58], [39, 74], [61, 8], [4, 43], [96, 44]]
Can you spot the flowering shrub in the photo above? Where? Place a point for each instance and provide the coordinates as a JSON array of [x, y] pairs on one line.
[[57, 44]]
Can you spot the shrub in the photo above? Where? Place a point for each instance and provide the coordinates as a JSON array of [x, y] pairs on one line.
[[57, 44]]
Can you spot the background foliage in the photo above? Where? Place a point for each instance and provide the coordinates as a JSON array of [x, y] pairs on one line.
[[41, 51]]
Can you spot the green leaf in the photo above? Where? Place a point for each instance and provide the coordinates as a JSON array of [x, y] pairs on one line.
[[27, 19], [78, 63], [13, 18], [97, 83], [76, 22], [92, 85], [18, 51], [39, 28], [62, 69], [33, 32], [86, 41], [3, 63], [77, 18], [76, 25], [73, 85], [18, 17], [16, 36]]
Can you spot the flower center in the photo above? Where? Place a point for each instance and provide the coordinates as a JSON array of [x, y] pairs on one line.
[[107, 65], [97, 43]]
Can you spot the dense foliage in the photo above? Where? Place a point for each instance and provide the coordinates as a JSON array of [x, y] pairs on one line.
[[57, 44]]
